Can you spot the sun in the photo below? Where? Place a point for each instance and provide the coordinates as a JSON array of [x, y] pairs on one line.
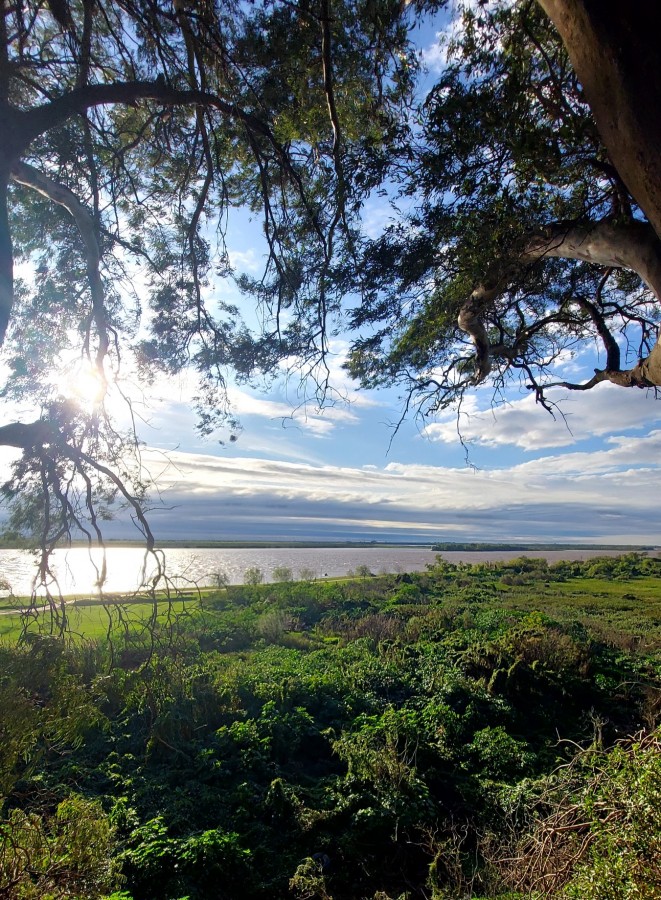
[[85, 386]]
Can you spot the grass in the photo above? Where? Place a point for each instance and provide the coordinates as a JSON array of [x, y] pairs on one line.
[[97, 621], [617, 611], [609, 608], [89, 617]]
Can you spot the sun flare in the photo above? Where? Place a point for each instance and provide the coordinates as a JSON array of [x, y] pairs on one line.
[[86, 386]]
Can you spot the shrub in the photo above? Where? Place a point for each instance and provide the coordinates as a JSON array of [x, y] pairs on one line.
[[253, 575], [594, 832], [68, 855], [282, 574]]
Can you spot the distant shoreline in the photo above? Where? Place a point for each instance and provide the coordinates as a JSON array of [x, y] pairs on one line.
[[433, 546]]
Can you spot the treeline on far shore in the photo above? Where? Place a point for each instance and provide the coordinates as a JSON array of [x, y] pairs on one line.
[[477, 546]]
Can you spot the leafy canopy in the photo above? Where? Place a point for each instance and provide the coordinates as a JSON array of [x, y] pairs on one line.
[[134, 130], [523, 246]]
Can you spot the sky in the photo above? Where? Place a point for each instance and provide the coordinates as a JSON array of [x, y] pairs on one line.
[[342, 474], [588, 475]]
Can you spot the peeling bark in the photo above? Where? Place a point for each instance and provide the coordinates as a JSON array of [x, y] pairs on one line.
[[632, 246]]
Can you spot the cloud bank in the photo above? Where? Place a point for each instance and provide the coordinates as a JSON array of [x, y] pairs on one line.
[[609, 495]]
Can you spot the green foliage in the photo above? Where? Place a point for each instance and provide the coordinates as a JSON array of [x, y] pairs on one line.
[[273, 624], [505, 148], [63, 856], [590, 831], [141, 133], [253, 575], [282, 573], [46, 707], [163, 864], [499, 755], [308, 881], [622, 803], [407, 742]]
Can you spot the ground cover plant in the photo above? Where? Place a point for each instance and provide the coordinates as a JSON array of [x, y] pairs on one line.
[[477, 731]]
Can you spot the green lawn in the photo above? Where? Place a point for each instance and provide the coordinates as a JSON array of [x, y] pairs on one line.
[[101, 620]]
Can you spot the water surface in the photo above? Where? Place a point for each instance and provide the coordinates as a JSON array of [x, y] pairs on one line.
[[76, 571]]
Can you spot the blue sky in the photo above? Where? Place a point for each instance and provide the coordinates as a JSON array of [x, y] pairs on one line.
[[297, 472]]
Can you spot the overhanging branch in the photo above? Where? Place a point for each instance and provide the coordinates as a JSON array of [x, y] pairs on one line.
[[633, 246], [44, 439], [27, 175], [49, 115]]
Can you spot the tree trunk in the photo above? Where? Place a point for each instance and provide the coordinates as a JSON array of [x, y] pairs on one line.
[[6, 256], [614, 49]]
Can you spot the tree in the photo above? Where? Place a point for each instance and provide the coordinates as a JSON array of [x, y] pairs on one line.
[[307, 574], [282, 573], [130, 130], [614, 54], [253, 575], [535, 231], [133, 129]]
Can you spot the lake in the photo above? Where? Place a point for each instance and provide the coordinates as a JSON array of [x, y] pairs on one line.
[[192, 567]]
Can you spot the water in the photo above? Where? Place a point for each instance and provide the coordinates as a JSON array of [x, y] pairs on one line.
[[191, 567]]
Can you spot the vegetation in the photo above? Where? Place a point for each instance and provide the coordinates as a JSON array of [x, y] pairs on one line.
[[477, 546], [432, 735], [425, 735]]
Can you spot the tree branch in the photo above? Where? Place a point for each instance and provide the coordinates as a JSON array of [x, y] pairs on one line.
[[49, 115], [633, 246], [610, 344], [43, 438], [27, 175]]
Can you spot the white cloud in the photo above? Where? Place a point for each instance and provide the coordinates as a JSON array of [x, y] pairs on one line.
[[641, 453], [607, 495], [377, 215], [308, 417], [245, 260], [434, 57], [166, 416], [525, 424]]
